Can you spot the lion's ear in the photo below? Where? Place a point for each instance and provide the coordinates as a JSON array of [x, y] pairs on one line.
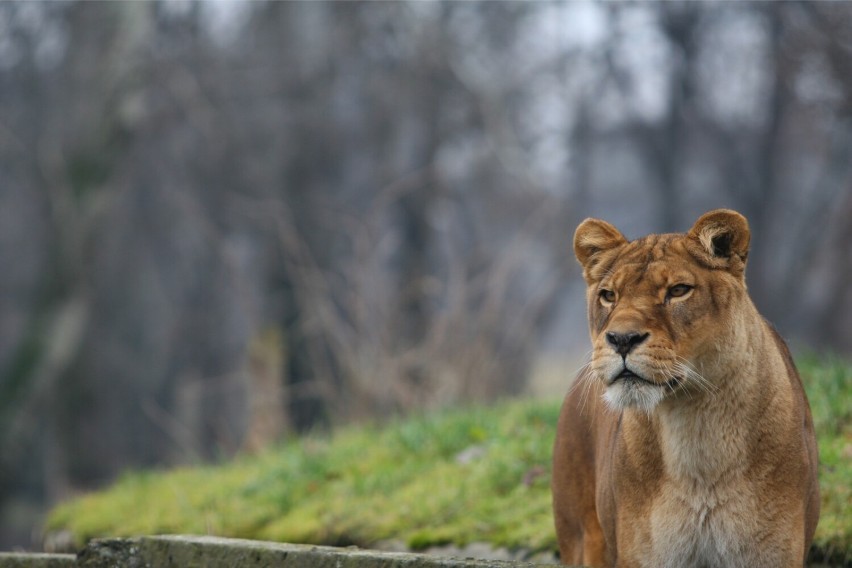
[[592, 238], [722, 237]]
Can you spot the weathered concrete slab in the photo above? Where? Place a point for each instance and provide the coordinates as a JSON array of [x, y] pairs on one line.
[[22, 560], [213, 552]]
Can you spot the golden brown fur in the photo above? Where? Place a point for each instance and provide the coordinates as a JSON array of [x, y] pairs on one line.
[[702, 453]]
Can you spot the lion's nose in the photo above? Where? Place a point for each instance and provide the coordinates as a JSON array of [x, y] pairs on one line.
[[623, 343]]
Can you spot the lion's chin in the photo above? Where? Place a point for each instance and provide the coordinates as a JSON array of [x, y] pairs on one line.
[[641, 395]]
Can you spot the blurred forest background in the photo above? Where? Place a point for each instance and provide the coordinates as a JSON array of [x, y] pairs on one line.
[[224, 222]]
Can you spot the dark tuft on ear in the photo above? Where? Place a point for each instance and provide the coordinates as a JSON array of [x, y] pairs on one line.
[[593, 239], [720, 239], [722, 245]]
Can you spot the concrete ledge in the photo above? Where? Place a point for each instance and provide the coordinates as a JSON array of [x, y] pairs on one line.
[[213, 552], [23, 560]]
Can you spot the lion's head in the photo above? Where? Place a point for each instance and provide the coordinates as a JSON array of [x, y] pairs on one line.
[[663, 307]]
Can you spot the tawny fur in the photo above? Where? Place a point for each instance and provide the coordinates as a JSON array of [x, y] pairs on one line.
[[704, 457]]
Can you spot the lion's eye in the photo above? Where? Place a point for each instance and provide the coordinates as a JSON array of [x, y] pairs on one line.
[[607, 296], [679, 290]]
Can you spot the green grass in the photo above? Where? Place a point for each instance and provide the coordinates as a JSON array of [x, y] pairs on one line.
[[360, 486], [829, 386], [405, 481]]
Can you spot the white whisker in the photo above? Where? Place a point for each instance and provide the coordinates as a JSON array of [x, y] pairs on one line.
[[693, 376], [583, 379]]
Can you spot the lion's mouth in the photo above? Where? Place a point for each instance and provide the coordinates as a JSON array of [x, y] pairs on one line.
[[630, 376]]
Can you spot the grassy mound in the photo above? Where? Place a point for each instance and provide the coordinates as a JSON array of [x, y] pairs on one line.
[[452, 477], [457, 476]]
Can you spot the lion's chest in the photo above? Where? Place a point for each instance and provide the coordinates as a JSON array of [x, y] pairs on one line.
[[703, 511], [706, 528]]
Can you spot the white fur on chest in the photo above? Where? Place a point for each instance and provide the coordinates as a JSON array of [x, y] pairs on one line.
[[703, 528]]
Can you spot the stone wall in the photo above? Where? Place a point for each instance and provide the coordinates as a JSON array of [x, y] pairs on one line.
[[214, 552]]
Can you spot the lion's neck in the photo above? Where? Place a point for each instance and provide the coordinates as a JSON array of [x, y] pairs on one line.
[[705, 437], [702, 444]]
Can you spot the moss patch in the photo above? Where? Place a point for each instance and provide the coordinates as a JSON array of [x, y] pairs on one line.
[[453, 477]]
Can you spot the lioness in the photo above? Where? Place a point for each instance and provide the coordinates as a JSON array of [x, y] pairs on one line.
[[688, 439]]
